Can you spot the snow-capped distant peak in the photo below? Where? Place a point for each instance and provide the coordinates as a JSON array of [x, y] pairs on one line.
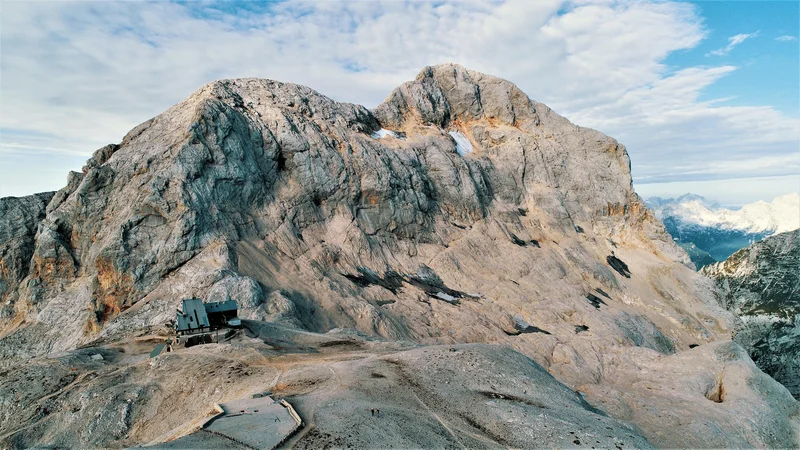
[[697, 198], [778, 216], [690, 197]]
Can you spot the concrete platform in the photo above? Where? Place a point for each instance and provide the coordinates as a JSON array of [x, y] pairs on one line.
[[201, 439], [256, 422], [260, 423]]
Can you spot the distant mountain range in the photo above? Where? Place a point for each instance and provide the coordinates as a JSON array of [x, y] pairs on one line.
[[710, 233]]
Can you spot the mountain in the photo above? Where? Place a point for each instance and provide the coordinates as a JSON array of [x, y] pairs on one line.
[[699, 257], [460, 257], [691, 219], [782, 214], [761, 284], [19, 218], [658, 203]]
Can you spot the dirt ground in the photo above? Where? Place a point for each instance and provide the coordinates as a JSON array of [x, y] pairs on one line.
[[348, 390], [353, 391]]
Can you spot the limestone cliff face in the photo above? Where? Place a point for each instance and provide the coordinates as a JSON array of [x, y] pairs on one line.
[[457, 211], [762, 278], [761, 284], [19, 219], [273, 190]]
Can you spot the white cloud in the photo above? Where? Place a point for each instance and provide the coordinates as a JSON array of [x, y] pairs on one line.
[[76, 76], [786, 38], [672, 135], [729, 192], [733, 41]]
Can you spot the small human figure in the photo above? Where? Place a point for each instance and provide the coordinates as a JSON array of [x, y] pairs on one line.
[[372, 411], [378, 412]]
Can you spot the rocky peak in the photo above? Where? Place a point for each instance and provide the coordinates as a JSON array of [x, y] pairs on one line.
[[322, 216], [261, 161], [449, 94]]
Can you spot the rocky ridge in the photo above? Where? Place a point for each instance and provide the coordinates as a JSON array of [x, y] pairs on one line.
[[761, 284], [451, 213], [19, 221]]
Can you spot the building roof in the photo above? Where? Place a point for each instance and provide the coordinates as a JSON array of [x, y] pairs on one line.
[[193, 316], [226, 306]]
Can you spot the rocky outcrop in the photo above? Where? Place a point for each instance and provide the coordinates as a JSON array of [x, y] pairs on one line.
[[713, 393], [19, 221], [762, 278], [761, 284], [448, 214]]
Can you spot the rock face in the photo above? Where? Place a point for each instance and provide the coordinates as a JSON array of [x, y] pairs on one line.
[[451, 213], [761, 284], [19, 220]]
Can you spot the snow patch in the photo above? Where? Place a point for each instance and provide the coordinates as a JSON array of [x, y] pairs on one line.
[[463, 145], [382, 133], [446, 297]]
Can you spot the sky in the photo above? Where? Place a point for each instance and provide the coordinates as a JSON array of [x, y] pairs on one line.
[[704, 95]]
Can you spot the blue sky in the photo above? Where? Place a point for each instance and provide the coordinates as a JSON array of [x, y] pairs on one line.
[[768, 70], [704, 95]]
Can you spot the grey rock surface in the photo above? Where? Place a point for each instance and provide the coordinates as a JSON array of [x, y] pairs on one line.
[[479, 396], [761, 284], [469, 396], [709, 396], [19, 221], [763, 278], [298, 208]]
